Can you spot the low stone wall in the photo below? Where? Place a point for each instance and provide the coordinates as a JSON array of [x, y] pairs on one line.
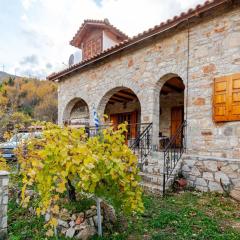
[[205, 173], [3, 203]]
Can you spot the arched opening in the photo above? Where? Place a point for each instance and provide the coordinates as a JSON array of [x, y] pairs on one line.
[[122, 105], [77, 113], [171, 112]]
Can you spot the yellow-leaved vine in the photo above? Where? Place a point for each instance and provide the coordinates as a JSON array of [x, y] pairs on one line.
[[101, 165], [3, 164]]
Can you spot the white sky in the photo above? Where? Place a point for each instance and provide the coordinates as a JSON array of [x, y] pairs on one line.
[[35, 34]]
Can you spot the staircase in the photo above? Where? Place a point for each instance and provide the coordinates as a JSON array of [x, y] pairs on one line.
[[159, 168], [152, 174]]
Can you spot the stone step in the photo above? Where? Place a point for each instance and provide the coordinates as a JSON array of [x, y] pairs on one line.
[[151, 178], [157, 155], [155, 160], [151, 160], [153, 169], [151, 188]]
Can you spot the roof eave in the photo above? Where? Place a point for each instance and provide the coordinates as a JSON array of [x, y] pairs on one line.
[[163, 27]]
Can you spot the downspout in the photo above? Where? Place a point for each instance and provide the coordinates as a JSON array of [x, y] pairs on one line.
[[187, 92]]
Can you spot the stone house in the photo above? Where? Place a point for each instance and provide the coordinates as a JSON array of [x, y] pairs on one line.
[[176, 84]]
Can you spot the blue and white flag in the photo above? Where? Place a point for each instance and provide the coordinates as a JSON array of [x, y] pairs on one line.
[[95, 119]]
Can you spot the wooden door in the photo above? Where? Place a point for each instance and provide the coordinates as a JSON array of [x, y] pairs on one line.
[[130, 118], [114, 120], [176, 121], [122, 118], [133, 126]]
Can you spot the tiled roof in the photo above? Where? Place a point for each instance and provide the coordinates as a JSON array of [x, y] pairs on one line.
[[158, 29], [102, 23]]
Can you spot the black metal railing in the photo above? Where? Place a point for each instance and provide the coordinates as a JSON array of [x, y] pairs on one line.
[[142, 145], [173, 153], [138, 138], [133, 130]]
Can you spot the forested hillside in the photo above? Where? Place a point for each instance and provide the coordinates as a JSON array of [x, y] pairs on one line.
[[4, 75], [23, 100]]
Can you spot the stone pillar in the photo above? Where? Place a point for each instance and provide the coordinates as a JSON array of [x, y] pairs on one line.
[[100, 113], [3, 203], [150, 113]]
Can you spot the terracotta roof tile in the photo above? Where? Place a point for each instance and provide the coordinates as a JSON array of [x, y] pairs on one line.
[[103, 22], [130, 41]]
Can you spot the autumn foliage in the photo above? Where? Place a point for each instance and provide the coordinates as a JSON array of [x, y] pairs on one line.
[[102, 165], [23, 100], [3, 164]]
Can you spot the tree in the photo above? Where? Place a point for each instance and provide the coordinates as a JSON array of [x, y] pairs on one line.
[[18, 120], [32, 98], [102, 165], [46, 110]]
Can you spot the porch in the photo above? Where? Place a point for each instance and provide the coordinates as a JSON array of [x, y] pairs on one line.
[[122, 104], [159, 142]]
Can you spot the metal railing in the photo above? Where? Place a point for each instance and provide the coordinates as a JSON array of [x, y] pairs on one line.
[[173, 153], [142, 146], [138, 138], [133, 130]]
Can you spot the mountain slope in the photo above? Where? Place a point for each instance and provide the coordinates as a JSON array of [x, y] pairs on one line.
[[4, 75]]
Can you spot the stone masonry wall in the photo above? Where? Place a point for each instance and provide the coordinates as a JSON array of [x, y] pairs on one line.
[[3, 204], [205, 173], [213, 51]]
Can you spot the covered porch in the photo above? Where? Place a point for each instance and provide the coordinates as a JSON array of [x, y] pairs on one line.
[[122, 104]]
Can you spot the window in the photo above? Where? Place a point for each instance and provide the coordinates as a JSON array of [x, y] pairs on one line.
[[92, 47], [226, 98]]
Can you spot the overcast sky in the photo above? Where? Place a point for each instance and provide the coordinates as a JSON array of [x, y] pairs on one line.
[[35, 34]]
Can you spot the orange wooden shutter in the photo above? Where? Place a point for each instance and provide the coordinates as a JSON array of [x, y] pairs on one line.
[[221, 99], [234, 98]]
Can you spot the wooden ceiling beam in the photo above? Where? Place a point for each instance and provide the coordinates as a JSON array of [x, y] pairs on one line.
[[128, 93], [164, 92], [123, 97], [116, 100], [174, 88]]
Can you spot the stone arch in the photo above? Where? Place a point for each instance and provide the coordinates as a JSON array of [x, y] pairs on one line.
[[76, 110], [106, 97], [164, 78], [171, 106], [121, 104]]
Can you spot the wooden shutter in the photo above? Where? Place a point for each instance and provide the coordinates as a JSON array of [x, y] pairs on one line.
[[234, 99], [226, 99], [220, 100]]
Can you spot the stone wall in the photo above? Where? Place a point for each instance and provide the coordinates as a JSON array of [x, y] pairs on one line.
[[213, 51], [205, 173], [3, 204], [79, 113]]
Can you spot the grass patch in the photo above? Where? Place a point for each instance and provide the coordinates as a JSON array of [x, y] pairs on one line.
[[189, 215]]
